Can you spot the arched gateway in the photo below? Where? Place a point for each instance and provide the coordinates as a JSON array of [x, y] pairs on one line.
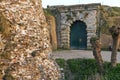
[[78, 35], [76, 24]]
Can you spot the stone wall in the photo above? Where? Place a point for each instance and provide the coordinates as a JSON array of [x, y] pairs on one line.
[[25, 52], [52, 29], [106, 41], [66, 15]]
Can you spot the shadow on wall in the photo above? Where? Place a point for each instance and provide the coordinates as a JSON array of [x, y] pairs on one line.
[[52, 29]]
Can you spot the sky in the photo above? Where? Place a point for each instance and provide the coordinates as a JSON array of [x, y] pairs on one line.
[[73, 2]]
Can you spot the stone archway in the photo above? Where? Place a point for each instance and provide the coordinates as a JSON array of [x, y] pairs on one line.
[[78, 35], [67, 15], [66, 21]]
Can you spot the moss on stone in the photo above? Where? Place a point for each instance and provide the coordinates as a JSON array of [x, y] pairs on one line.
[[8, 77], [94, 38]]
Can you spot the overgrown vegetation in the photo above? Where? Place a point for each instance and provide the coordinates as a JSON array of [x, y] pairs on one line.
[[115, 11], [47, 12], [94, 38], [86, 69], [107, 17], [61, 63]]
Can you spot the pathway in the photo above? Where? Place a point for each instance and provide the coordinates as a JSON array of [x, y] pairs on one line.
[[70, 54]]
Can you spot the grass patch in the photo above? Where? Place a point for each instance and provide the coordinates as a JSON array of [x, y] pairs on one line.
[[61, 63], [84, 69], [82, 66]]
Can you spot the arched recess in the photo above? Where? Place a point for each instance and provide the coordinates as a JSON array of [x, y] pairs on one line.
[[78, 35]]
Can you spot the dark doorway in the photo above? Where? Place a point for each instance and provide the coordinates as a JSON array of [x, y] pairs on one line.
[[78, 35]]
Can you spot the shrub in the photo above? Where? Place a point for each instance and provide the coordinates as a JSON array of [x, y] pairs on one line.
[[86, 69]]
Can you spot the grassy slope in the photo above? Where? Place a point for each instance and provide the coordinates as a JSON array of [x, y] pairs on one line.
[[115, 11], [108, 14]]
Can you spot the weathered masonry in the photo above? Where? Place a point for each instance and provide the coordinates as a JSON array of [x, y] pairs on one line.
[[76, 24], [25, 51]]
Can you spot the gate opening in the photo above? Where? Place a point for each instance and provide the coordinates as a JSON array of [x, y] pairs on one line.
[[78, 35]]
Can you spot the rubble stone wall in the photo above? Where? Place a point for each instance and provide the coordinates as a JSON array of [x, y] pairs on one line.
[[25, 53]]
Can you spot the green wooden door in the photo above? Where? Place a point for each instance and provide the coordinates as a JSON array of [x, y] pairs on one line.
[[78, 35]]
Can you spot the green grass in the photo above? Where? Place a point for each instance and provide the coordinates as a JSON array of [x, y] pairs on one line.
[[61, 63], [82, 69], [82, 66]]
